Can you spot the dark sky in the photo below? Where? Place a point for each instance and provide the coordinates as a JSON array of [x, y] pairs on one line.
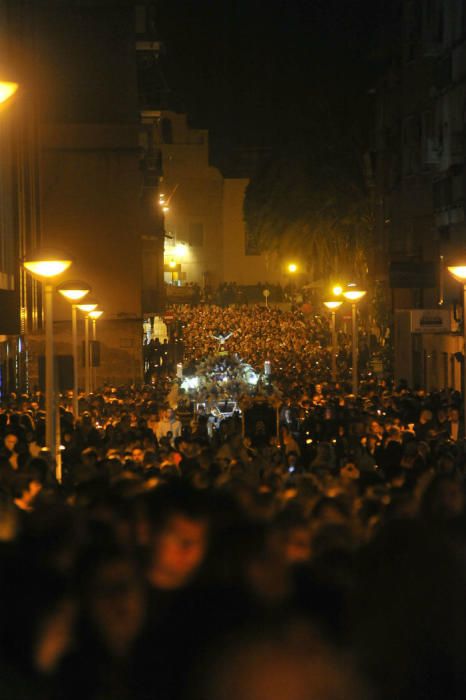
[[252, 71]]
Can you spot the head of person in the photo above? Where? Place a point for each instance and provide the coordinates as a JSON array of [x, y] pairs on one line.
[[137, 455], [89, 457], [114, 601], [180, 528], [10, 441], [296, 533], [443, 499], [26, 488]]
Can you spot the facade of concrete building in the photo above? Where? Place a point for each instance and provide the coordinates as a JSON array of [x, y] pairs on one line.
[[206, 240], [19, 197], [86, 68], [420, 177]]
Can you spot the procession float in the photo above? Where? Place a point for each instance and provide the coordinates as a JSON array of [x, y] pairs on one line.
[[224, 385]]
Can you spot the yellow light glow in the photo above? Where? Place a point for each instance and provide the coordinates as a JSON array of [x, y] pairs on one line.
[[87, 308], [7, 90], [95, 314], [180, 250], [172, 263], [73, 294], [165, 209], [458, 272], [292, 267], [337, 290], [46, 268], [73, 290], [333, 304], [354, 294]]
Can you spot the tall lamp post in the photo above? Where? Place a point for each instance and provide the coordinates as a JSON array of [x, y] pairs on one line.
[[94, 316], [74, 291], [44, 265], [353, 294], [459, 273], [333, 306], [86, 308]]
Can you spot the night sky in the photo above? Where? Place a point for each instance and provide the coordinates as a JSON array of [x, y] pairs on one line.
[[255, 72]]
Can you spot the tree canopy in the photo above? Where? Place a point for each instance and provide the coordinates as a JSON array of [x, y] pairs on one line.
[[311, 199]]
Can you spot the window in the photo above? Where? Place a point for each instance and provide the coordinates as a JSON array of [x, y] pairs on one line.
[[196, 235]]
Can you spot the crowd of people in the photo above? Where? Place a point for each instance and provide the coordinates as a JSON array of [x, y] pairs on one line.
[[297, 344], [321, 555]]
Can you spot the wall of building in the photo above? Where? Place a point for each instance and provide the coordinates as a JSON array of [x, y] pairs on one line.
[[193, 191], [204, 221], [237, 266], [93, 174], [420, 149]]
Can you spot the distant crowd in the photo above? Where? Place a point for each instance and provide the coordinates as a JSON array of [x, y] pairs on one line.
[[297, 344]]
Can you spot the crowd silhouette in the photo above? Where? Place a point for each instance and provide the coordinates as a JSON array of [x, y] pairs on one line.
[[318, 556]]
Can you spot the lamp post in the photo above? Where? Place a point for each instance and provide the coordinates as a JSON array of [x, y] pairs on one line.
[[74, 291], [459, 273], [94, 316], [45, 265], [86, 308], [333, 306], [353, 294]]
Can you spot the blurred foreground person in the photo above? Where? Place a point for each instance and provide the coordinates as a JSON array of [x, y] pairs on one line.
[[288, 664], [113, 610], [37, 614]]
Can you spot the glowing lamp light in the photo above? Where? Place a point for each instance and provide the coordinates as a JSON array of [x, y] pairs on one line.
[[96, 314], [165, 209], [88, 306], [180, 250], [7, 90], [73, 291], [46, 264], [337, 290], [352, 293], [332, 305], [172, 264], [458, 272], [292, 267]]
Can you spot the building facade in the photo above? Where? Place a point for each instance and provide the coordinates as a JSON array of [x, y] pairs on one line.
[[206, 240], [420, 177], [86, 67]]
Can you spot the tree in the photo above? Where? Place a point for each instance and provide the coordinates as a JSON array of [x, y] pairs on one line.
[[313, 200]]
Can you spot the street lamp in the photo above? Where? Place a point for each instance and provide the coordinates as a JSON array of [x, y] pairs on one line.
[[86, 308], [459, 274], [333, 306], [7, 90], [292, 267], [353, 294], [44, 265], [94, 316], [74, 291]]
